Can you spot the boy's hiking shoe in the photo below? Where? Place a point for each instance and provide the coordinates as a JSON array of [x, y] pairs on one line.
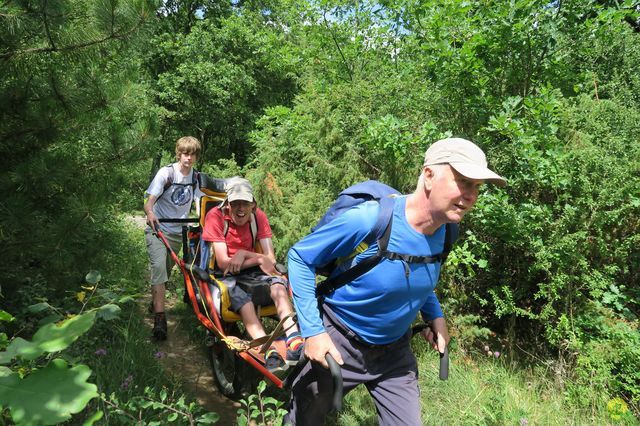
[[293, 356], [160, 326], [274, 362], [295, 349]]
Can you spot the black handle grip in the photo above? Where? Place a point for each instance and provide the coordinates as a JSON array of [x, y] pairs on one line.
[[444, 364], [444, 356], [336, 375]]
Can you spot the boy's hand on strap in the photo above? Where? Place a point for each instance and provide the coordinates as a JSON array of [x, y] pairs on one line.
[[316, 347]]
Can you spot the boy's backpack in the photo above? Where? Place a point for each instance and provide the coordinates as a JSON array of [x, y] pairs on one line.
[[381, 231], [195, 181]]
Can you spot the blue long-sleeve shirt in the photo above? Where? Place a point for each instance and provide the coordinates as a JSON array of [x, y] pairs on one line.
[[381, 304]]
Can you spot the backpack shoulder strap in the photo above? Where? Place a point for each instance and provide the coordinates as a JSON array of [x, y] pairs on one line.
[[380, 232], [382, 229], [385, 216], [452, 231], [170, 179], [253, 226], [195, 180]]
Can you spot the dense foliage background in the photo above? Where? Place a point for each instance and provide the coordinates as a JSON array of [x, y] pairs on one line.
[[306, 98]]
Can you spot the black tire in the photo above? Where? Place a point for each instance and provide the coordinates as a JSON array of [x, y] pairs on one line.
[[226, 367], [235, 377], [226, 364]]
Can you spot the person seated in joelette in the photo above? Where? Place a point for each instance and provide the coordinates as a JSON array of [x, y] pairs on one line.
[[228, 228]]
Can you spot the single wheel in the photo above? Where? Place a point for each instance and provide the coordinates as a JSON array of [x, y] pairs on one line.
[[226, 365], [235, 377]]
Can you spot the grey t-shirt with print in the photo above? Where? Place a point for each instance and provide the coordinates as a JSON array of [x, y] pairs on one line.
[[175, 201]]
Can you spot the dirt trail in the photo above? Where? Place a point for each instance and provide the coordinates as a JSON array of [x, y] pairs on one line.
[[186, 359]]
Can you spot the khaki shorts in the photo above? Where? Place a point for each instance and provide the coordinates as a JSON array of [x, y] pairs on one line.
[[160, 260]]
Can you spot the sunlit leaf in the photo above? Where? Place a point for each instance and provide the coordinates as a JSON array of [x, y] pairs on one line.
[[80, 296], [46, 396], [6, 316], [94, 418], [49, 338]]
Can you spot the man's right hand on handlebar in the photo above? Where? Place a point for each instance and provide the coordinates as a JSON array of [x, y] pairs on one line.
[[316, 347]]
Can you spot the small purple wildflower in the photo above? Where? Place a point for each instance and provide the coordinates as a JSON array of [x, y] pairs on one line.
[[524, 421], [496, 354], [125, 384], [100, 352], [160, 354]]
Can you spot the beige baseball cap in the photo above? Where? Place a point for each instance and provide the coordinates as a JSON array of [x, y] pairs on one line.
[[238, 188], [465, 157]]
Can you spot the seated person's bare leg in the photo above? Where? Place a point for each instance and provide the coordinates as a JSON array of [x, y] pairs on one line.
[[280, 296], [251, 321]]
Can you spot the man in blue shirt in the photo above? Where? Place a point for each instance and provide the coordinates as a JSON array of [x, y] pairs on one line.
[[365, 324]]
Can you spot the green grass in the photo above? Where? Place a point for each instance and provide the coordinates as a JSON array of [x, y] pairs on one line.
[[124, 360], [485, 390]]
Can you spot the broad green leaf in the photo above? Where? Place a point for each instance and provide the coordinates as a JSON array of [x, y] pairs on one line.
[[208, 418], [38, 307], [6, 316], [50, 338], [126, 299], [94, 418], [93, 277], [47, 396], [270, 400], [108, 312]]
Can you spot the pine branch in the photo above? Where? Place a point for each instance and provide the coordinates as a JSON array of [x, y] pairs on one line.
[[46, 25], [53, 48]]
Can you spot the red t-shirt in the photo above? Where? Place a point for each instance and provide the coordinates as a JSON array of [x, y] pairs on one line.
[[237, 237]]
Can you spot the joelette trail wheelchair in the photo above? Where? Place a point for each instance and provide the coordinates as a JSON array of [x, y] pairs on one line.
[[237, 363]]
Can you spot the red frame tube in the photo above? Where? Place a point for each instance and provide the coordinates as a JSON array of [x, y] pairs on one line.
[[216, 325]]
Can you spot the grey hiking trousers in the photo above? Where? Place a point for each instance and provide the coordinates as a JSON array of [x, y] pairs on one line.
[[389, 372]]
